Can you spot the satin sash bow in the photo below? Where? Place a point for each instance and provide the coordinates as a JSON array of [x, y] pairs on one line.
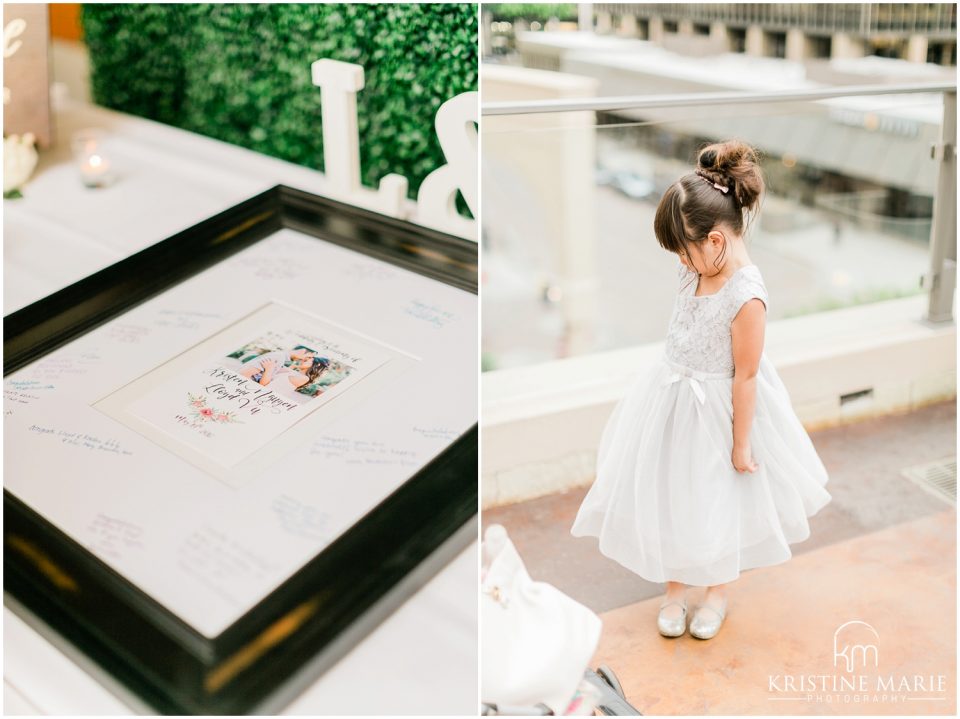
[[694, 384], [695, 377]]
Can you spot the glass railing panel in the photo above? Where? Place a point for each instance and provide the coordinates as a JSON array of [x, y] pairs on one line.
[[571, 265]]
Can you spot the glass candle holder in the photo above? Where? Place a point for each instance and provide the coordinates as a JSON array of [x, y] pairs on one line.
[[95, 167]]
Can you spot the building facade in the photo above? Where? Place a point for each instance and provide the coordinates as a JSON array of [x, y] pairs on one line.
[[918, 32]]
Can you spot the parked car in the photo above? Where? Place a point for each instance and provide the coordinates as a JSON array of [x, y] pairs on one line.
[[631, 184]]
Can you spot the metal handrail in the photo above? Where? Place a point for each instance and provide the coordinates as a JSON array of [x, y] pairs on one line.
[[636, 102]]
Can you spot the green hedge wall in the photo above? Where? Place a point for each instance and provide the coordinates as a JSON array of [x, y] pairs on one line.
[[241, 73]]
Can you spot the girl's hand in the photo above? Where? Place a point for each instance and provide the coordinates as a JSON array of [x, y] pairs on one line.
[[743, 459]]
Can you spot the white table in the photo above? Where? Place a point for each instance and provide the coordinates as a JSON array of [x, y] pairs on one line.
[[423, 658]]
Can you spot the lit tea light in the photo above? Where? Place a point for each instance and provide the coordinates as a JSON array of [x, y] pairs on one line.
[[95, 169]]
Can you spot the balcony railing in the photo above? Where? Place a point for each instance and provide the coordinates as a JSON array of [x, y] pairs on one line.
[[939, 282], [642, 102]]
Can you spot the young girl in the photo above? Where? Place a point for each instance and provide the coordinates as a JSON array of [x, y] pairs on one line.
[[704, 469]]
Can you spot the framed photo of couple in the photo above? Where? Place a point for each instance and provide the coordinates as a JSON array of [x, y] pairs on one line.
[[230, 455]]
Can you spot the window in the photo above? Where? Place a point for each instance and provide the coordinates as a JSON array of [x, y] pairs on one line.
[[738, 39], [820, 46], [775, 44], [942, 53]]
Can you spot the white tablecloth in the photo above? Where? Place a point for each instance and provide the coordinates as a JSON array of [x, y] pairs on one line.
[[423, 658]]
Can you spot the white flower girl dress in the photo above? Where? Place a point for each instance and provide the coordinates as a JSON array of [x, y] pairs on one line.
[[667, 502]]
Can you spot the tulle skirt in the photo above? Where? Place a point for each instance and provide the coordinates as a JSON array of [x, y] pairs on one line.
[[667, 502]]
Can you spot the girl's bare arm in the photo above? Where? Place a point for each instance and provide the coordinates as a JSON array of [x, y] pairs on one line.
[[747, 333]]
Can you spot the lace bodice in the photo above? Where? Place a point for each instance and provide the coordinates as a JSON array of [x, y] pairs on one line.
[[699, 333]]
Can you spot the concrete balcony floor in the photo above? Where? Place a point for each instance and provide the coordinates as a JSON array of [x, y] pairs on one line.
[[882, 552]]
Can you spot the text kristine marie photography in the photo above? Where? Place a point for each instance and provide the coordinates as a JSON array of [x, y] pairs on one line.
[[857, 676]]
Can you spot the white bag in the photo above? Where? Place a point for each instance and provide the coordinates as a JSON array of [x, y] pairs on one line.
[[536, 642]]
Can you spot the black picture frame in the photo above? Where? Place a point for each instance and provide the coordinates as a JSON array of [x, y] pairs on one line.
[[343, 592]]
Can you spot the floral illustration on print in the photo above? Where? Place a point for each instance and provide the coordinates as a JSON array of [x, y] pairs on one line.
[[200, 410]]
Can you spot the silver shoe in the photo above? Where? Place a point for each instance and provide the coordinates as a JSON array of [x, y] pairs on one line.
[[706, 626], [672, 627]]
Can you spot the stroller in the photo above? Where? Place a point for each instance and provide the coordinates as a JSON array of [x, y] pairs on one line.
[[537, 643]]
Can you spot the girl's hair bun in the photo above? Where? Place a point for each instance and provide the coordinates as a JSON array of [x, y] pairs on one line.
[[736, 164], [690, 207]]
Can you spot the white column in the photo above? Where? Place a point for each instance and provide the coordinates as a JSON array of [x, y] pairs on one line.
[[917, 48], [754, 42], [719, 36], [796, 45], [585, 17], [555, 221], [604, 23], [844, 45], [486, 38], [656, 30], [628, 25]]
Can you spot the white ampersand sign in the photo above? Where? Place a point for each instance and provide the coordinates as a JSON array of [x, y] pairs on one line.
[[456, 127]]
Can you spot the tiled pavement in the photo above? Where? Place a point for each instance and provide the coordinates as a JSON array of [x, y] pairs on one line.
[[883, 551]]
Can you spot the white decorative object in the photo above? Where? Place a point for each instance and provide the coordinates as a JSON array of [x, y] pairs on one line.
[[340, 82], [19, 151], [88, 150], [436, 200], [19, 160], [536, 642], [26, 72], [11, 31], [457, 132]]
